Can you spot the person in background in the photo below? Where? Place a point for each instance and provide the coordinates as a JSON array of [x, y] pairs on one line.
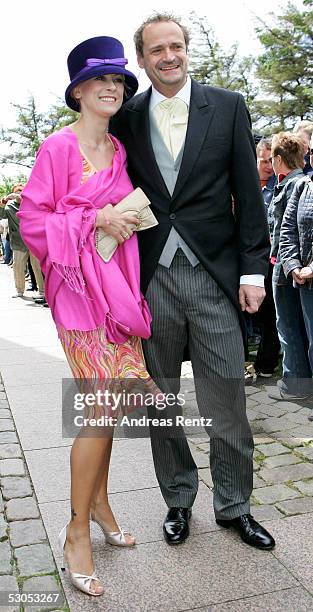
[[268, 351], [288, 162], [7, 251], [8, 210], [304, 129], [296, 248]]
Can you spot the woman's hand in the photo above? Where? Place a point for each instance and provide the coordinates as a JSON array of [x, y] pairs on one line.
[[296, 275], [115, 224], [306, 273]]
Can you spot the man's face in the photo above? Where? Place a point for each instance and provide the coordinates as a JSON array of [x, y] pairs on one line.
[[164, 57], [264, 163]]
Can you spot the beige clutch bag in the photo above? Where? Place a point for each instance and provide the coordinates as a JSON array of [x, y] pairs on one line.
[[135, 203]]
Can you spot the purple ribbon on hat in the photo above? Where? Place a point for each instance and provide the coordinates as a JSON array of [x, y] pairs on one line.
[[115, 61], [93, 62]]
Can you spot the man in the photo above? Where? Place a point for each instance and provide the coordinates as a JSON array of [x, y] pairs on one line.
[[9, 206], [265, 169], [268, 351], [191, 263]]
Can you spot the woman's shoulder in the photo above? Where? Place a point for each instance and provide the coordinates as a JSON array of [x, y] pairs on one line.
[[61, 140]]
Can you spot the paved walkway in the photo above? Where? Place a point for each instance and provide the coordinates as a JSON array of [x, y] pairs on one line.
[[213, 571]]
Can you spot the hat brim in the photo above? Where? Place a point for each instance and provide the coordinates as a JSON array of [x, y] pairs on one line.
[[130, 81]]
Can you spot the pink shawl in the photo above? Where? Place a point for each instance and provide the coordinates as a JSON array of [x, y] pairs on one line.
[[57, 220]]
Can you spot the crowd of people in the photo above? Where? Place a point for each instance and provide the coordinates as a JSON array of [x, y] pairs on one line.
[[14, 252], [182, 286], [285, 318]]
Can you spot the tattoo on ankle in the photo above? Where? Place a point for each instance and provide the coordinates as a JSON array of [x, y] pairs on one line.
[[73, 514]]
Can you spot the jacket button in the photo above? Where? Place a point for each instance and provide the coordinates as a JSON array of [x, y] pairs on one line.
[[172, 216]]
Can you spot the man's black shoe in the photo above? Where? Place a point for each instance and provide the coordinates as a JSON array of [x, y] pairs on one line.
[[176, 525], [250, 531]]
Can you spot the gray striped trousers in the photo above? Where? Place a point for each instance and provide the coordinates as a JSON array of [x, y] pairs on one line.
[[189, 308]]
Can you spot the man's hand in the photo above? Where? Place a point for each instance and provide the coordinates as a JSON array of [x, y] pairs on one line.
[[251, 297], [297, 276], [115, 224], [306, 273]]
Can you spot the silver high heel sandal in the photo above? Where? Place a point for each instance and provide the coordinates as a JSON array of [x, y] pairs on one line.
[[80, 581], [115, 538]]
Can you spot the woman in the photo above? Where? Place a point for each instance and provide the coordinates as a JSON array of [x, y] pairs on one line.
[[288, 162], [100, 314], [296, 248]]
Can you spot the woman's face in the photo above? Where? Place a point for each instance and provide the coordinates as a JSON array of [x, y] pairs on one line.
[[102, 95], [277, 163]]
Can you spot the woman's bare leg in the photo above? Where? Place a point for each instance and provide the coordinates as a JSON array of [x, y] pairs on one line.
[[100, 507], [88, 456]]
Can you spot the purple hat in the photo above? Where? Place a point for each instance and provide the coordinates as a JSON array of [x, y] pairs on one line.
[[95, 57]]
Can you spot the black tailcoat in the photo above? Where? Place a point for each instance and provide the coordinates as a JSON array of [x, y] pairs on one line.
[[217, 205]]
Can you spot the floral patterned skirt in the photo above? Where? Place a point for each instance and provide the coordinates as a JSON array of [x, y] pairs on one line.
[[118, 368]]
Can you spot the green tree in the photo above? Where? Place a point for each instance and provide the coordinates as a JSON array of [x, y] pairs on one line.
[[32, 127], [7, 183], [285, 68], [212, 65]]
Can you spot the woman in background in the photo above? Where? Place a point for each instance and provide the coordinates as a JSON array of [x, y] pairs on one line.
[[288, 162]]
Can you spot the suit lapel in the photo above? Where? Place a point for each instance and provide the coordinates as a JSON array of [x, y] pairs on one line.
[[138, 121], [200, 117]]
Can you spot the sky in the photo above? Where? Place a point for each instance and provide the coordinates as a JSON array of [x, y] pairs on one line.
[[37, 36]]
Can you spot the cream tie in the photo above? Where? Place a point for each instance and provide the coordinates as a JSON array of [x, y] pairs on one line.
[[171, 116]]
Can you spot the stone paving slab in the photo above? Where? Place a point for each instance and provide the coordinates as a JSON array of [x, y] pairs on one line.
[[3, 528], [19, 376], [306, 452], [280, 461], [288, 600], [270, 495], [270, 450], [8, 584], [27, 532], [5, 558], [10, 451], [265, 512], [306, 487], [33, 427], [125, 474], [296, 506], [294, 537], [287, 473], [11, 467], [21, 509], [205, 570], [141, 512], [34, 559], [43, 584], [15, 486], [42, 354]]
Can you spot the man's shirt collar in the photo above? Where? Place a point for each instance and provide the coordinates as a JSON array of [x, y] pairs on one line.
[[183, 94]]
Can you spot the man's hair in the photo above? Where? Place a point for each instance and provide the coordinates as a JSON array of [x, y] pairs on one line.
[[158, 18], [304, 126], [291, 149], [264, 143]]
